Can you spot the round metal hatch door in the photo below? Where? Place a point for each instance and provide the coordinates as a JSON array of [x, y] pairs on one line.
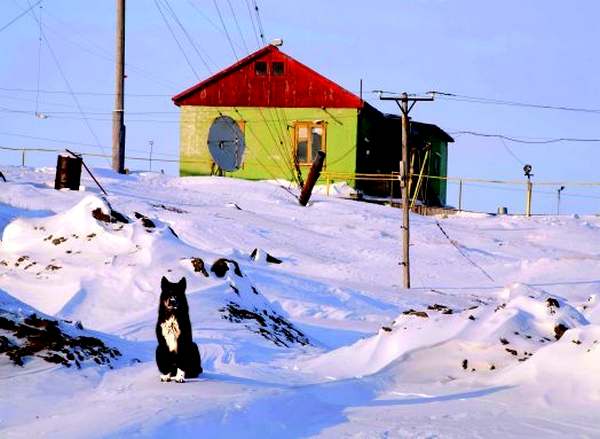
[[226, 143]]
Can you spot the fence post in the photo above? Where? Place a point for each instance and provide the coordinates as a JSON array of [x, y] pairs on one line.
[[529, 193], [460, 184], [328, 183], [23, 158]]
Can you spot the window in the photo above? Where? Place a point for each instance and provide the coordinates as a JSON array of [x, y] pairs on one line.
[[260, 68], [277, 68], [309, 139]]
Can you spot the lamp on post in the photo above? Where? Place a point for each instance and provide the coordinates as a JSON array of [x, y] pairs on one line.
[[558, 191]]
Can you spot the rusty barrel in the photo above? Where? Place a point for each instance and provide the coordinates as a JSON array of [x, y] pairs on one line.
[[68, 172]]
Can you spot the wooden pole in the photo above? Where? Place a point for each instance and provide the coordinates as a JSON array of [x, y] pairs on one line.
[[529, 193], [313, 176], [118, 132], [460, 185], [402, 102], [404, 179]]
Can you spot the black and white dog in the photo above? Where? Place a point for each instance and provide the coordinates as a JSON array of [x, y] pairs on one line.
[[177, 355]]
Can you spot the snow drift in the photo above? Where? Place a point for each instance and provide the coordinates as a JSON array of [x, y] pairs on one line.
[[109, 265], [440, 343], [26, 334]]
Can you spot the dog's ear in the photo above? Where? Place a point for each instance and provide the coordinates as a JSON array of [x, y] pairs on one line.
[[182, 283], [164, 283]]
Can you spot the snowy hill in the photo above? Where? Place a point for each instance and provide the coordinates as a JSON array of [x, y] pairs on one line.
[[317, 338]]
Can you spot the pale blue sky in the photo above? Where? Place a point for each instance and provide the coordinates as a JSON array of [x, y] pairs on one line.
[[542, 51]]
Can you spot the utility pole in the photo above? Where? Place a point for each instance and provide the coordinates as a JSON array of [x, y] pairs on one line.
[[118, 132], [558, 191], [151, 143], [527, 171], [402, 102]]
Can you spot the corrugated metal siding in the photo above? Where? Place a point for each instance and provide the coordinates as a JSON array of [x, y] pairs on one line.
[[240, 86]]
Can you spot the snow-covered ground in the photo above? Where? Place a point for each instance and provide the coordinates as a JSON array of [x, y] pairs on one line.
[[499, 336]]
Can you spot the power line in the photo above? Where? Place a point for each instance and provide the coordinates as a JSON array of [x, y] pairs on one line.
[[492, 101], [280, 142], [459, 247], [511, 152], [73, 142], [252, 21], [97, 50], [187, 35], [225, 29], [237, 24], [46, 103], [208, 19], [39, 66], [189, 63], [22, 14], [259, 21], [66, 81], [527, 141], [81, 93]]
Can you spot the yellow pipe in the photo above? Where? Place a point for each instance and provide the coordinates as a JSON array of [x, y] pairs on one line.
[[419, 180]]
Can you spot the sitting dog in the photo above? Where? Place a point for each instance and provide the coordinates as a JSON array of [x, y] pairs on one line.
[[177, 355]]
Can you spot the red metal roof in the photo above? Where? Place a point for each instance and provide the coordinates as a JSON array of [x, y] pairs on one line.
[[240, 86]]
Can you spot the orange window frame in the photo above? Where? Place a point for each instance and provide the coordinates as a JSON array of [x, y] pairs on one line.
[[309, 127]]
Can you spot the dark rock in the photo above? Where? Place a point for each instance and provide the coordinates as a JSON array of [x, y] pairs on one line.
[[512, 351], [52, 267], [146, 222], [220, 267], [271, 326], [465, 364], [412, 312], [199, 267], [113, 217], [559, 330], [44, 339], [441, 308], [170, 208]]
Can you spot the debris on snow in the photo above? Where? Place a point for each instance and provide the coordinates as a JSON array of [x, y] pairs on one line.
[[259, 255]]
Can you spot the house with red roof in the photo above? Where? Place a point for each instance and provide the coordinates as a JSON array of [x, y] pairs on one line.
[[267, 116]]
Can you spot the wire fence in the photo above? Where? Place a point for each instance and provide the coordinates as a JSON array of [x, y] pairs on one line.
[[462, 192]]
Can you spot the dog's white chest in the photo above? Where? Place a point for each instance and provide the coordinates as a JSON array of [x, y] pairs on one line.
[[171, 331]]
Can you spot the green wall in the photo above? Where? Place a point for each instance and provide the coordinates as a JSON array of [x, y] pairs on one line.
[[438, 165], [265, 157]]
